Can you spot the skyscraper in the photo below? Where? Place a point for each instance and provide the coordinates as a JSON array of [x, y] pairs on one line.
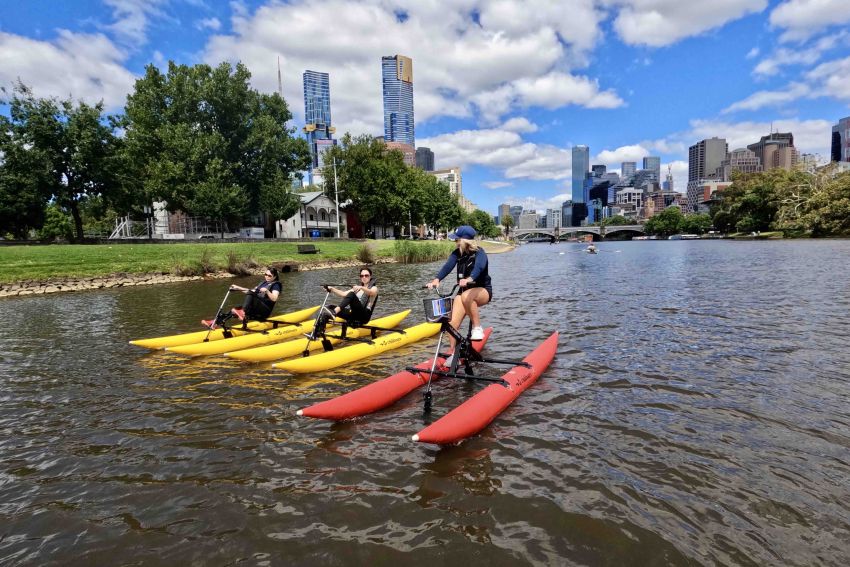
[[397, 73], [775, 150], [425, 159], [840, 150], [317, 118], [652, 163], [581, 166], [628, 170], [704, 158]]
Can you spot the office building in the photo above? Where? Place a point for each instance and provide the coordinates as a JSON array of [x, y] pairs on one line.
[[407, 152], [504, 212], [775, 150], [516, 212], [653, 164], [317, 117], [704, 158], [397, 73], [840, 150], [580, 169], [628, 169], [742, 160], [425, 159]]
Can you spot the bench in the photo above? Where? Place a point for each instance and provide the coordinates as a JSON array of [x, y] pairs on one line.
[[307, 249]]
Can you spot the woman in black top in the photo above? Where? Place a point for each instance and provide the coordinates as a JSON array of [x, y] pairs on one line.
[[260, 300]]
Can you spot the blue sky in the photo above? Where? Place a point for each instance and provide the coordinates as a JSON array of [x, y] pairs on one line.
[[502, 88]]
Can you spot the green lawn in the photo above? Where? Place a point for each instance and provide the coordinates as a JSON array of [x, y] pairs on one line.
[[19, 263]]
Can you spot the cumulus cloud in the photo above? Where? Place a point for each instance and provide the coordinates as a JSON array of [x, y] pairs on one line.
[[132, 19], [85, 67], [657, 23], [762, 99], [467, 56], [832, 78], [808, 56], [502, 150], [802, 19]]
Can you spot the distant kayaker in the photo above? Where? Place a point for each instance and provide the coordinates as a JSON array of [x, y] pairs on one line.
[[472, 276], [260, 300], [591, 249], [357, 302]]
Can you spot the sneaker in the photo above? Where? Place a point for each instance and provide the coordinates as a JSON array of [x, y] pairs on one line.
[[477, 334], [329, 314], [449, 360], [239, 313]]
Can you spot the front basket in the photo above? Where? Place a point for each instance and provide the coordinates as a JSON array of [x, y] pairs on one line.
[[437, 310]]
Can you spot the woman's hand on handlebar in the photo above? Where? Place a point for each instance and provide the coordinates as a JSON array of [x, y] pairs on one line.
[[464, 282], [433, 284]]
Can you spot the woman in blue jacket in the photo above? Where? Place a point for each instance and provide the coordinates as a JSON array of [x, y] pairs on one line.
[[473, 278]]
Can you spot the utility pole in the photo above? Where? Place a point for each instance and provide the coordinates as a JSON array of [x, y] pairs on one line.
[[336, 198]]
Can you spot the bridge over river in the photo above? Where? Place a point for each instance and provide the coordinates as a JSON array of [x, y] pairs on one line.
[[598, 232]]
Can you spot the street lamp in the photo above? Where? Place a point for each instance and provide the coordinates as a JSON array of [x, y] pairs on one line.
[[336, 198]]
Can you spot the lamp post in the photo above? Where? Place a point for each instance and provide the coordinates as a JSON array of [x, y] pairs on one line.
[[336, 198]]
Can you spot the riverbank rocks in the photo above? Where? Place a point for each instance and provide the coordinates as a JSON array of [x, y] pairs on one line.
[[55, 285]]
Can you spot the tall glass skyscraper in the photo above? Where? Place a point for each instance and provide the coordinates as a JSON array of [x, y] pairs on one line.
[[317, 116], [581, 166], [397, 72]]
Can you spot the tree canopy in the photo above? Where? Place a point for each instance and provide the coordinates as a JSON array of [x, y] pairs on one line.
[[202, 140]]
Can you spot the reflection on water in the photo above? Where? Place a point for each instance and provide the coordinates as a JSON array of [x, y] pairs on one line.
[[696, 413]]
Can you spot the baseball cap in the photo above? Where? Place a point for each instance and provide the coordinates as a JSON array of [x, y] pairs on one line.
[[463, 231]]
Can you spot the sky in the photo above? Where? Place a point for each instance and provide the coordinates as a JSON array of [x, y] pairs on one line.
[[503, 89]]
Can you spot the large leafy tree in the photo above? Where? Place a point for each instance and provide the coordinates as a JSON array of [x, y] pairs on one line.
[[57, 150], [202, 140], [483, 223], [665, 223]]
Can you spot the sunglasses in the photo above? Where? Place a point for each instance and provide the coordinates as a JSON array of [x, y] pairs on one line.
[[364, 275]]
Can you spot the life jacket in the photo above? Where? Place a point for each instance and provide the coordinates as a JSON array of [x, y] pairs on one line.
[[465, 265]]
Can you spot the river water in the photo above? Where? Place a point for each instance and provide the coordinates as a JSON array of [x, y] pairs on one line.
[[696, 414]]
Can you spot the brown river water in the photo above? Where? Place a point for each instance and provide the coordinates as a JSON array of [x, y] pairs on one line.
[[697, 413]]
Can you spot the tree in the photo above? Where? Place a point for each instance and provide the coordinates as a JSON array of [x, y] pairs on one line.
[[483, 223], [666, 222], [696, 224], [507, 223], [202, 140], [60, 149]]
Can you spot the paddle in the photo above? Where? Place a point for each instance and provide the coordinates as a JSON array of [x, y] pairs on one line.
[[218, 315], [312, 336]]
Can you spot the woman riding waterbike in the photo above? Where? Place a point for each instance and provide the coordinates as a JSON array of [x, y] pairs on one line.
[[356, 305], [473, 278], [260, 300]]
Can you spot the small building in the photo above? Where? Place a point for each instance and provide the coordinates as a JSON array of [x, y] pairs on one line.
[[316, 218]]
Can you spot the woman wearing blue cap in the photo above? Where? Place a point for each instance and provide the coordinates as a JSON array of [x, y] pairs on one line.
[[473, 278]]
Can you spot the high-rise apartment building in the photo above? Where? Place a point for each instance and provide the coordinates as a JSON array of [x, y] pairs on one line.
[[425, 159], [317, 118], [704, 158], [397, 73], [840, 150], [580, 168], [628, 169]]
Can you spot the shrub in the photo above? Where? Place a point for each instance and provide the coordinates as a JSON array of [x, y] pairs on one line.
[[409, 252], [365, 254]]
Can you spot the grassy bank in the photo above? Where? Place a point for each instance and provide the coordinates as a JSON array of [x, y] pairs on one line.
[[21, 263], [18, 263]]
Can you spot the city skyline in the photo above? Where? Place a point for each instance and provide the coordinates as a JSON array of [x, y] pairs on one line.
[[503, 91]]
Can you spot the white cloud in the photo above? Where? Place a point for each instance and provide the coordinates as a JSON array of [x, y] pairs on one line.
[[784, 56], [519, 124], [82, 66], [495, 63], [131, 19], [208, 24], [810, 136], [614, 158], [802, 19], [658, 23], [496, 184], [761, 99], [501, 150], [753, 53], [832, 78]]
